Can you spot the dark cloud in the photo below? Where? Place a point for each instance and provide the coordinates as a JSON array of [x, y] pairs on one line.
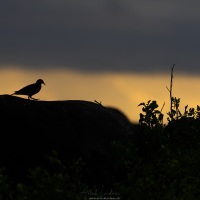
[[138, 36]]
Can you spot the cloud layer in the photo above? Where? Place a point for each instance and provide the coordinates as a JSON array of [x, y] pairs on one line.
[[107, 35]]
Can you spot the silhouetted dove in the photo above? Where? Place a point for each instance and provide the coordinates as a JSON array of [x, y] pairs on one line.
[[31, 89]]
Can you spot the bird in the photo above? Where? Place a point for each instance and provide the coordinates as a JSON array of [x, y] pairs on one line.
[[31, 89]]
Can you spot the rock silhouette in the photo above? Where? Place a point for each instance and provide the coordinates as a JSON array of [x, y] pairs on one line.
[[74, 128], [31, 89]]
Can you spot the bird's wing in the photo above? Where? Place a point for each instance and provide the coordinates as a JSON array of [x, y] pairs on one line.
[[26, 90]]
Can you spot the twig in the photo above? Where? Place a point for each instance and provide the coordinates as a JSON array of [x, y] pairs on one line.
[[97, 102], [170, 90], [162, 107]]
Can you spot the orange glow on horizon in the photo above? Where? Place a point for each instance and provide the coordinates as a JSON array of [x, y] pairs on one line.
[[120, 90]]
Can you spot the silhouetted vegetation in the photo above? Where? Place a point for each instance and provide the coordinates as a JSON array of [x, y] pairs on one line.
[[158, 161]]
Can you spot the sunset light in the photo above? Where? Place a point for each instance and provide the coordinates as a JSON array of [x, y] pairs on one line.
[[120, 90]]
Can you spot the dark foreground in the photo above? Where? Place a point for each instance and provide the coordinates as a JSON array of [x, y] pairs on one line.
[[82, 150]]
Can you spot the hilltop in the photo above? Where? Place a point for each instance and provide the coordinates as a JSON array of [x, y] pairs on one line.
[[30, 130]]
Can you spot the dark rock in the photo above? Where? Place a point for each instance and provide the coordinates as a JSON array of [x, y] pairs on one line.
[[30, 130]]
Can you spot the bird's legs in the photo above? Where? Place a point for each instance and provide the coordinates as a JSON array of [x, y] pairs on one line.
[[29, 97]]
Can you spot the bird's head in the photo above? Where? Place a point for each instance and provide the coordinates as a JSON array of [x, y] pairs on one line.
[[40, 81]]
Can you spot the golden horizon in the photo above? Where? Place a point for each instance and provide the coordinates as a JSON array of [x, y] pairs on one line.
[[123, 91]]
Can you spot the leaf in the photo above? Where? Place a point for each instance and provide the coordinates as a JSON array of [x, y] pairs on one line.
[[142, 104], [157, 111]]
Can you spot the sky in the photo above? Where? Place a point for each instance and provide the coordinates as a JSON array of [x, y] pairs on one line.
[[116, 52]]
